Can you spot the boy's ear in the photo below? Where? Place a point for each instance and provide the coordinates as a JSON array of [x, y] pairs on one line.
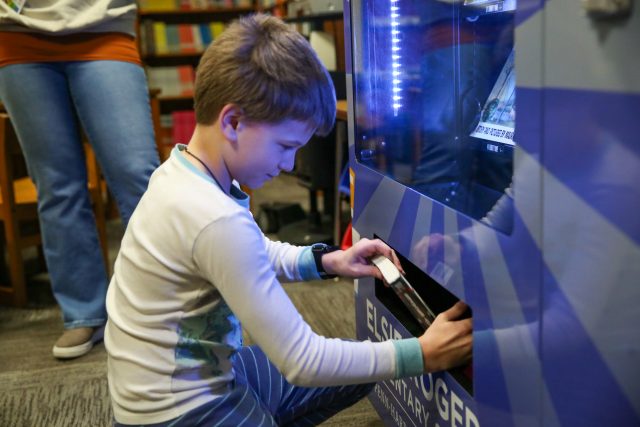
[[229, 117]]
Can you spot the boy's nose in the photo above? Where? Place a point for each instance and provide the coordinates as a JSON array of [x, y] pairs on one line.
[[287, 163]]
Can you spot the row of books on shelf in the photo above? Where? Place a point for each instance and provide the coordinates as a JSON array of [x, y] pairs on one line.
[[182, 124], [176, 128], [159, 38], [172, 81], [169, 5], [265, 4]]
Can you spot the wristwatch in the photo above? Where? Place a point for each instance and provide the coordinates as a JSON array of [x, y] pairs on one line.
[[319, 249]]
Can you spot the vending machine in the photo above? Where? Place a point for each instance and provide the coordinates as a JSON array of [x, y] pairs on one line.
[[495, 145]]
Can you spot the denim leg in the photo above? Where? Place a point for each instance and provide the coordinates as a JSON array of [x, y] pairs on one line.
[[37, 100], [112, 101]]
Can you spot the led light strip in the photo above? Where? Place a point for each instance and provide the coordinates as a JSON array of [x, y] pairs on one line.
[[395, 58]]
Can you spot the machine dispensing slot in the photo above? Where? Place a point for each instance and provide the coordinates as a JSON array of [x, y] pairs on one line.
[[405, 292], [415, 299]]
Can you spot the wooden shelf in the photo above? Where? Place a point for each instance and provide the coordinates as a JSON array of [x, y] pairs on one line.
[[318, 17], [172, 59], [173, 103], [190, 16]]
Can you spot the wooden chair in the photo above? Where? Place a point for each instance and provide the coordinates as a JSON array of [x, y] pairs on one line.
[[19, 215]]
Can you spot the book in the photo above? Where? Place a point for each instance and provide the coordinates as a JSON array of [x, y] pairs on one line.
[[158, 5], [205, 34], [184, 122], [185, 35], [403, 289], [167, 79], [187, 76], [173, 39], [160, 37], [498, 116], [198, 45], [147, 42], [216, 29]]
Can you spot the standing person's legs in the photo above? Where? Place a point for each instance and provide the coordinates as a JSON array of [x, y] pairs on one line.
[[37, 99], [112, 100]]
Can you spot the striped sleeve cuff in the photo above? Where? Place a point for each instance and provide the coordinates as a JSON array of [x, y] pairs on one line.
[[307, 265], [408, 358]]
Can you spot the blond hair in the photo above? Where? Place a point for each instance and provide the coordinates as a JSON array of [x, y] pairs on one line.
[[270, 71]]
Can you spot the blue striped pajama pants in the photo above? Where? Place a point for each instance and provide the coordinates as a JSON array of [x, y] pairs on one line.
[[261, 396]]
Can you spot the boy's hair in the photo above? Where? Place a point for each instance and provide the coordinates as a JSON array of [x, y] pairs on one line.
[[269, 70]]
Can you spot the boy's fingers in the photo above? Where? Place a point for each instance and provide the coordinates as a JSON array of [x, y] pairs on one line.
[[384, 249], [396, 261], [466, 326], [456, 311]]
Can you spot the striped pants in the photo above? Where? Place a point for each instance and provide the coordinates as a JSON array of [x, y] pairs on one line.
[[262, 397]]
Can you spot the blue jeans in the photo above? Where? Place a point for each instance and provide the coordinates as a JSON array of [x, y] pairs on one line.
[[261, 397], [47, 103]]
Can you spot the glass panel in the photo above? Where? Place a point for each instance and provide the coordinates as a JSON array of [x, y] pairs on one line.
[[434, 100]]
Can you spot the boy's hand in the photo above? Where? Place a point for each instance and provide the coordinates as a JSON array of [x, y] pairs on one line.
[[448, 342], [354, 262]]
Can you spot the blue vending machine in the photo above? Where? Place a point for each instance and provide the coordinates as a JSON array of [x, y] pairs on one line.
[[495, 145]]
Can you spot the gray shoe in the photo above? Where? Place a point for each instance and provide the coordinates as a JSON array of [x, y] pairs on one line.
[[77, 342]]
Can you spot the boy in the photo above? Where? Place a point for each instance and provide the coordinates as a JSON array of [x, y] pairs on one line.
[[193, 264]]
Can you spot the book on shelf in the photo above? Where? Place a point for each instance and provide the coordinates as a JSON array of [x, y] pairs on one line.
[[183, 124], [185, 39], [172, 81], [176, 5], [159, 38], [186, 74], [206, 35], [217, 28], [173, 39], [157, 4]]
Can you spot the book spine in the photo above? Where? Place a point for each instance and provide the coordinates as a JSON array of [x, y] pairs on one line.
[[160, 37], [173, 39], [185, 38]]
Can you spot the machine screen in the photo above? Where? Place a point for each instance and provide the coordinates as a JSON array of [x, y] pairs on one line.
[[434, 96]]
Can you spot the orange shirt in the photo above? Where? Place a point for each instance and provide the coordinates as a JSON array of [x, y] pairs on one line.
[[21, 48]]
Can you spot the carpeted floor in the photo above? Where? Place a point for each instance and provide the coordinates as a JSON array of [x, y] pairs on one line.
[[37, 390]]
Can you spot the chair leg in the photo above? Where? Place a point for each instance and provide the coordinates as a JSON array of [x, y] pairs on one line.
[[42, 261], [100, 212], [18, 289]]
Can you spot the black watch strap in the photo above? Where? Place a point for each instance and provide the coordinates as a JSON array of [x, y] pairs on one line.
[[318, 250]]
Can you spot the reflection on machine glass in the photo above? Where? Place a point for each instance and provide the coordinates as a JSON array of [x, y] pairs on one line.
[[435, 101]]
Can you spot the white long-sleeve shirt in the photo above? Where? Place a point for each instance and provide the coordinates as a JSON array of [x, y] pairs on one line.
[[193, 266], [60, 17]]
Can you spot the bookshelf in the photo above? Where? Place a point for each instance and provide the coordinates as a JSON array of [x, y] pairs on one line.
[[171, 42], [172, 35]]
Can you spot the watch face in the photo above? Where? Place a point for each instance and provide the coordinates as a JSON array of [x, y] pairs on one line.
[[319, 247]]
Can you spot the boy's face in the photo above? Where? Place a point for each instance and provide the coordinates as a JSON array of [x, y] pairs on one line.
[[264, 150]]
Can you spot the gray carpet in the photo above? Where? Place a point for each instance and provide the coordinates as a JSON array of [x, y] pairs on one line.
[[37, 390]]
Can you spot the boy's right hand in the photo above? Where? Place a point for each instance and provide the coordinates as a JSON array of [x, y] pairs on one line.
[[448, 342]]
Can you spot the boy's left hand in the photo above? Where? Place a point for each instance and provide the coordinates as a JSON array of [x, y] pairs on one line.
[[354, 262]]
